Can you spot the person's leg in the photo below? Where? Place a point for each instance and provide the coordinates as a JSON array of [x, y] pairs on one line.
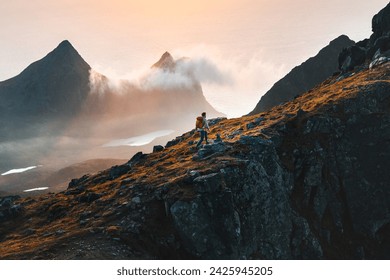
[[205, 136], [201, 138]]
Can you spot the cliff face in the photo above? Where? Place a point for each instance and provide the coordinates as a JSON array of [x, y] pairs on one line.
[[306, 180], [305, 76]]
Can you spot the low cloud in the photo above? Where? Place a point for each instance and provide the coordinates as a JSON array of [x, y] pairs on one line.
[[188, 73], [232, 83], [250, 77]]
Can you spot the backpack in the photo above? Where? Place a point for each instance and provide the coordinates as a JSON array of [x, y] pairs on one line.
[[199, 122]]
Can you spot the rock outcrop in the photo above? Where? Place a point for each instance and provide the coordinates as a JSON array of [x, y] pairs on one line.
[[305, 76], [376, 49]]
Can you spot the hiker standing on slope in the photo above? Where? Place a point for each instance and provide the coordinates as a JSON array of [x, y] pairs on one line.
[[201, 126]]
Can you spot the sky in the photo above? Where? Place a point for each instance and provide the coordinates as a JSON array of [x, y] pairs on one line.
[[252, 43]]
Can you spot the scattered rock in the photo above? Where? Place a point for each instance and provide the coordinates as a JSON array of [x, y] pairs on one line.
[[77, 182], [136, 200], [174, 142], [136, 158], [209, 150], [119, 170], [8, 208], [29, 231], [158, 148], [89, 197]]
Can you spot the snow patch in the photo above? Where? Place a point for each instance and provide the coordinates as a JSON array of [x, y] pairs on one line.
[[36, 189], [19, 170]]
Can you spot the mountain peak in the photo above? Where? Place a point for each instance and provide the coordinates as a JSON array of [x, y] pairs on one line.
[[62, 77], [342, 38], [65, 47], [65, 44], [166, 62]]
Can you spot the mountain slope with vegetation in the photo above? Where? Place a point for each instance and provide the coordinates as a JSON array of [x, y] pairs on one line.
[[305, 180], [305, 76]]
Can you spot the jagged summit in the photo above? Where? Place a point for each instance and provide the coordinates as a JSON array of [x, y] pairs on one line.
[[166, 62]]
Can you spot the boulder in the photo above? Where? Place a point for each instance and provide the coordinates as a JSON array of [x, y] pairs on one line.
[[158, 148], [8, 208]]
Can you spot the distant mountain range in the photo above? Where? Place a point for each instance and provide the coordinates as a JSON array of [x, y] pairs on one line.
[[58, 112], [58, 88], [305, 76]]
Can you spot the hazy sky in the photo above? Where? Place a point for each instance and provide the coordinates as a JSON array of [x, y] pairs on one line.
[[253, 43]]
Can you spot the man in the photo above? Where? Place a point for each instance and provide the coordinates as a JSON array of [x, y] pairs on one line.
[[201, 126]]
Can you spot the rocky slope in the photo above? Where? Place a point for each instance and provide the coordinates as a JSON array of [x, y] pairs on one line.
[[306, 180], [305, 76]]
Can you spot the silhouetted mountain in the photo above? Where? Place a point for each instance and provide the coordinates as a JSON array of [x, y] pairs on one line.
[[45, 96], [56, 85], [304, 77]]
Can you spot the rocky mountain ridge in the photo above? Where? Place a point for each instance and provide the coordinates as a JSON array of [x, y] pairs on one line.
[[305, 76], [306, 180]]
